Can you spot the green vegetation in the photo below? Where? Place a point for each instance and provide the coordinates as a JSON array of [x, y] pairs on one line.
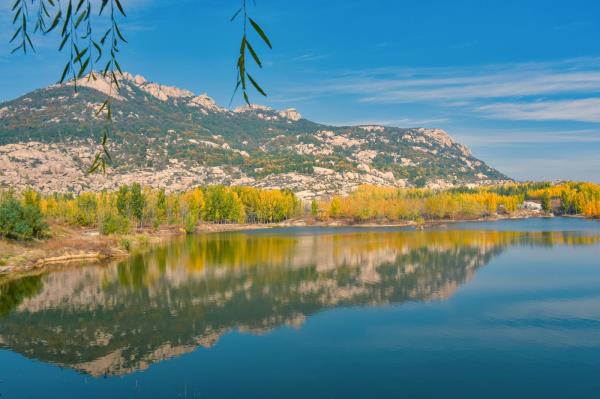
[[21, 220], [13, 293], [113, 224], [314, 208]]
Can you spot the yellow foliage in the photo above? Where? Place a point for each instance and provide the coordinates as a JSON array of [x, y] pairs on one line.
[[373, 202], [232, 204]]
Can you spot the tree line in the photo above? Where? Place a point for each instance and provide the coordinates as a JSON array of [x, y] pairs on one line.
[[569, 198], [376, 203], [369, 203], [26, 215]]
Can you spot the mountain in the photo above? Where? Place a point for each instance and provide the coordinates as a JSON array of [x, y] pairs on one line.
[[165, 136]]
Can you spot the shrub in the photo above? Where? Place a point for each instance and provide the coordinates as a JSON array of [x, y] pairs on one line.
[[314, 208], [126, 244], [87, 208], [190, 222], [114, 224], [20, 222]]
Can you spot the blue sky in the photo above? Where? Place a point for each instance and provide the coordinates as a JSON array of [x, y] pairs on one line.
[[517, 81]]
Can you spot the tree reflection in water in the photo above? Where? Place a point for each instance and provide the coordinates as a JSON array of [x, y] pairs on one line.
[[118, 318]]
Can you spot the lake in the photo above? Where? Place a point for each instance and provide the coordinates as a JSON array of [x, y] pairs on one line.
[[495, 310]]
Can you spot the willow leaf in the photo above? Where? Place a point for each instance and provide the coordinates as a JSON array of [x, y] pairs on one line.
[[119, 33], [55, 22], [67, 18], [99, 49], [104, 3], [253, 53], [17, 15], [64, 41], [256, 85], [260, 32], [83, 67], [236, 14], [64, 74], [120, 7], [12, 39]]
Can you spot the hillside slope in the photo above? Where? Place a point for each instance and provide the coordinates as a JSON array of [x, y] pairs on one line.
[[165, 136]]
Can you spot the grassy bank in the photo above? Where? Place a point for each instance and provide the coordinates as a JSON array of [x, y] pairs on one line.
[[66, 244]]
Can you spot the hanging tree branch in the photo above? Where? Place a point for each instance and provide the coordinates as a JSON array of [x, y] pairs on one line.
[[110, 41], [76, 30], [20, 10], [243, 76]]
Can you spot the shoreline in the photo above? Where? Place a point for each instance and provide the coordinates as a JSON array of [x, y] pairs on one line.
[[72, 245]]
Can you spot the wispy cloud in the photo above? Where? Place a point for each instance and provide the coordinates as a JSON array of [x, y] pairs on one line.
[[556, 167], [390, 122], [493, 81], [522, 91], [508, 137], [307, 57], [585, 110]]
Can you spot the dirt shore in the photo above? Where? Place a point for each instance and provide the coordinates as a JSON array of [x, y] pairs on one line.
[[73, 245]]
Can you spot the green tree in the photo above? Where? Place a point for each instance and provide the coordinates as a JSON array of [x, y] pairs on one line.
[[314, 208], [138, 202], [114, 224], [222, 204], [566, 202], [21, 222], [546, 203], [87, 207], [161, 206], [215, 197], [335, 207], [31, 197], [123, 201]]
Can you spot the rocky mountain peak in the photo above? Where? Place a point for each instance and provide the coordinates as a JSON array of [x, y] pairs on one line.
[[252, 107], [290, 114]]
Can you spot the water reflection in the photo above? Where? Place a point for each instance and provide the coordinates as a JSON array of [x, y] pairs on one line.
[[118, 318]]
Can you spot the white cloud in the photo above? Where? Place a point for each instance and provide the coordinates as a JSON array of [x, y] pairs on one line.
[[506, 137], [568, 167], [407, 122], [308, 57], [522, 91], [585, 110], [466, 83]]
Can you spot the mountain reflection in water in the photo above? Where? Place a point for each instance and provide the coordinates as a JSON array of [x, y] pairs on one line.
[[119, 318]]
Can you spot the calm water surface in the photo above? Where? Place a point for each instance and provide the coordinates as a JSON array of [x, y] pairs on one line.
[[494, 310]]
